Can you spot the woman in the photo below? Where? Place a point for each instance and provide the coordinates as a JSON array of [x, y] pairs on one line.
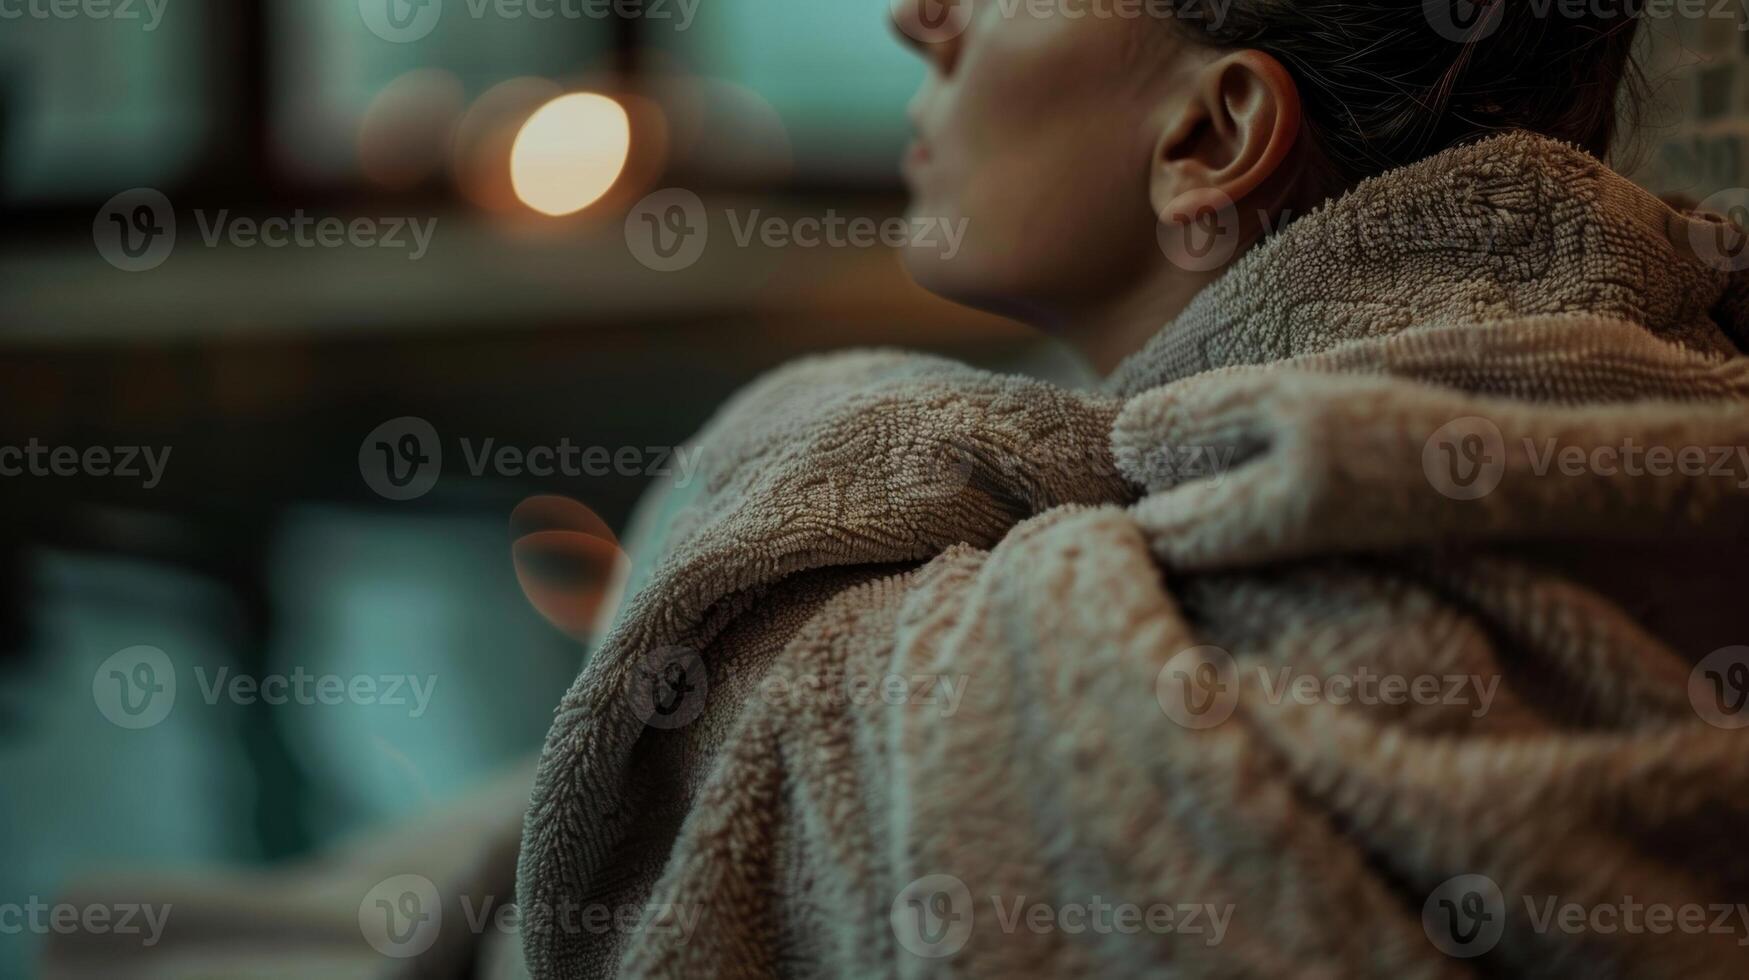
[[1351, 628]]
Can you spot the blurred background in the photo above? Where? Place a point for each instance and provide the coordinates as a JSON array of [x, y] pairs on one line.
[[288, 525]]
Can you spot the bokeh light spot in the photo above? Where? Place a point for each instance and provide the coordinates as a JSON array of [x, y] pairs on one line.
[[570, 152], [567, 560]]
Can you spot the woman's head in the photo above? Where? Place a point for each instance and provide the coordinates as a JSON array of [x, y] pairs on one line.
[[1077, 140]]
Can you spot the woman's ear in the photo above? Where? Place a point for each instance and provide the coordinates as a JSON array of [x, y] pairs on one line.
[[1226, 139]]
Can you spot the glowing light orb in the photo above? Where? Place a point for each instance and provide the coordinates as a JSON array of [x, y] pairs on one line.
[[486, 134], [570, 152]]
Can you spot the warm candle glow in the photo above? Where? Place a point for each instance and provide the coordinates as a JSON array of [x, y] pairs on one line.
[[570, 152]]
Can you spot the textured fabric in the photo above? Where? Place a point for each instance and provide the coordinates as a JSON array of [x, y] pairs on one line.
[[1351, 457]]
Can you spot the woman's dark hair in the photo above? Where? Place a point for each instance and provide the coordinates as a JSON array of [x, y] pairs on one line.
[[1387, 82]]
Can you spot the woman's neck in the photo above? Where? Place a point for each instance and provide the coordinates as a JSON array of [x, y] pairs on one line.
[[1106, 334]]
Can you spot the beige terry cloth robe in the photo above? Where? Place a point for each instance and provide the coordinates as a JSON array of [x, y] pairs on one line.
[[1377, 619]]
